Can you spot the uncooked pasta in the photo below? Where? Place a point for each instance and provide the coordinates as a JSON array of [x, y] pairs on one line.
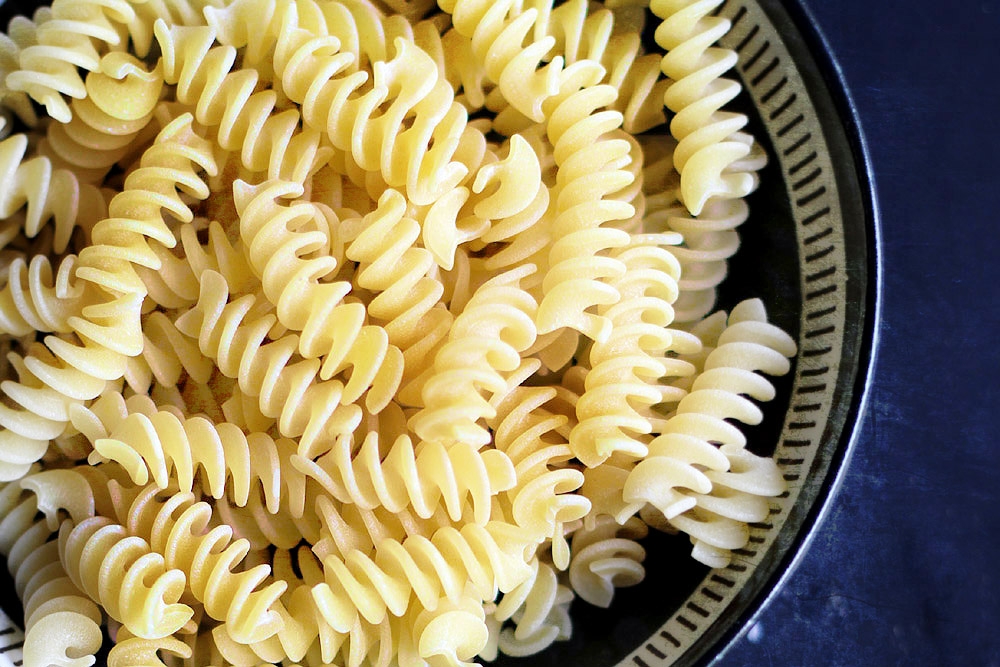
[[347, 332]]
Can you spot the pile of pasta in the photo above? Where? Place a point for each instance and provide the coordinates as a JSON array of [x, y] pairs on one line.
[[347, 333]]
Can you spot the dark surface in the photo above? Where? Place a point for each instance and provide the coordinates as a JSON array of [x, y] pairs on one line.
[[904, 569]]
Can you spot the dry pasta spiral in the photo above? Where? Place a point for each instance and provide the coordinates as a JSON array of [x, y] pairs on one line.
[[536, 440], [245, 119], [262, 528], [621, 386], [424, 156], [539, 609], [61, 625], [710, 144], [110, 122], [278, 238], [35, 406], [174, 285], [684, 461], [72, 38], [585, 34], [179, 528], [394, 269], [67, 371], [520, 224], [165, 447], [498, 31], [49, 193], [167, 169], [21, 33], [486, 558], [129, 580], [288, 390], [484, 344], [606, 556], [709, 241], [419, 477], [261, 28], [38, 298], [589, 170], [130, 651]]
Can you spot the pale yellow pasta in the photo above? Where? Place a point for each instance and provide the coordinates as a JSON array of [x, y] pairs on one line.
[[363, 332], [278, 239], [61, 625], [401, 478], [306, 407], [539, 609], [711, 154], [108, 124], [393, 269]]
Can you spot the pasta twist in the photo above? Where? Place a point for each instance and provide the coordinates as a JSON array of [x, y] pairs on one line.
[[72, 38], [419, 477], [21, 33], [347, 527], [539, 608], [278, 239], [484, 343], [178, 528], [428, 155], [130, 651], [585, 37], [167, 354], [36, 298], [174, 285], [300, 620], [358, 28], [543, 500], [107, 123], [521, 223], [169, 448], [498, 31], [120, 242], [62, 627], [394, 268], [172, 12], [131, 582], [452, 634], [49, 193], [684, 464], [622, 385], [66, 371], [709, 241], [262, 528], [35, 406], [577, 278], [606, 556], [245, 120], [486, 559], [231, 335], [718, 521], [710, 145]]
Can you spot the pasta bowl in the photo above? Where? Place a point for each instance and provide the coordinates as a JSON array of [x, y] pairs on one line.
[[809, 251]]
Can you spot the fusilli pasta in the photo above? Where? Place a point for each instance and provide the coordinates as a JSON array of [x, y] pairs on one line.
[[365, 331]]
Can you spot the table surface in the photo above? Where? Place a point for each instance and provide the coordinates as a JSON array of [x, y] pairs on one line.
[[903, 570]]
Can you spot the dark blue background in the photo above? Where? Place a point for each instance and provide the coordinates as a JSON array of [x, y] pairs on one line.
[[904, 571]]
